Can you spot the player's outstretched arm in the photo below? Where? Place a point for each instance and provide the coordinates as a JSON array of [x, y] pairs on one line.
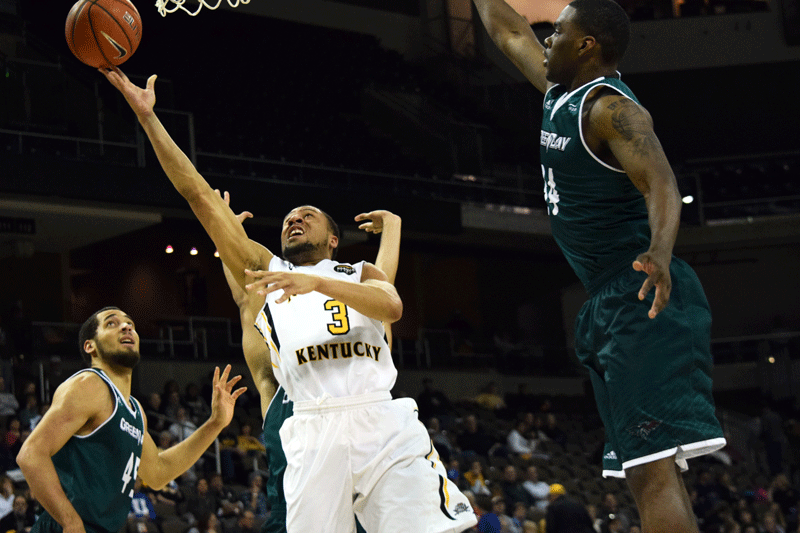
[[228, 235], [374, 297], [513, 35], [75, 404], [628, 129], [256, 353], [157, 468]]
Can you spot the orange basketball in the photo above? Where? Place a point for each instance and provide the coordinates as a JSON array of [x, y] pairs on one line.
[[103, 33]]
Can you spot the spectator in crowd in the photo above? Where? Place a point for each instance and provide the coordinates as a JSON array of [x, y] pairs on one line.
[[769, 523], [512, 488], [440, 439], [529, 526], [611, 510], [433, 402], [42, 410], [786, 496], [521, 441], [156, 423], [196, 404], [254, 498], [172, 405], [29, 411], [537, 489], [473, 441], [489, 521], [207, 523], [8, 402], [200, 502], [565, 515], [229, 505], [552, 431], [454, 472], [6, 496], [142, 517], [246, 523], [490, 398], [18, 520], [182, 427], [517, 518], [476, 482]]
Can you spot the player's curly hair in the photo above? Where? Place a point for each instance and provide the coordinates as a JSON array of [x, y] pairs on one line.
[[88, 331], [608, 23]]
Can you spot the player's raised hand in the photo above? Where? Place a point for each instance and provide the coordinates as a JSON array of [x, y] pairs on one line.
[[244, 215], [223, 399], [140, 100], [657, 270], [292, 283], [376, 220]]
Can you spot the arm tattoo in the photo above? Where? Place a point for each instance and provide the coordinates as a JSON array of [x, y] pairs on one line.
[[632, 123]]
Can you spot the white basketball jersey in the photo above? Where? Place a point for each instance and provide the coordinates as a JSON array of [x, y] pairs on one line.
[[320, 347]]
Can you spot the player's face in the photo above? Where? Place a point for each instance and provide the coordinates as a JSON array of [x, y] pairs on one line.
[[561, 48], [305, 233], [116, 340]]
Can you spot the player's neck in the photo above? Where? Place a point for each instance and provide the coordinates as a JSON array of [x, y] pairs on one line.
[[119, 376], [592, 73]]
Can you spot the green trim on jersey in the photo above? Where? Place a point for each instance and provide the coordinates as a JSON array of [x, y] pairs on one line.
[[598, 218], [97, 471]]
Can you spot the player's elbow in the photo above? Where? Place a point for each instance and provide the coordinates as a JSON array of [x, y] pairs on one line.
[[26, 460], [394, 310]]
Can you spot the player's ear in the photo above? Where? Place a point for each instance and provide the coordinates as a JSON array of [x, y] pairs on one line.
[[89, 346], [587, 44], [333, 241]]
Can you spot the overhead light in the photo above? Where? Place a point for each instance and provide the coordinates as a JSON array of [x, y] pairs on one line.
[[771, 359], [193, 251], [688, 199], [216, 253], [169, 249]]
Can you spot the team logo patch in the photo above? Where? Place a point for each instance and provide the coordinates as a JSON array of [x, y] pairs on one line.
[[644, 429], [461, 508], [345, 269]]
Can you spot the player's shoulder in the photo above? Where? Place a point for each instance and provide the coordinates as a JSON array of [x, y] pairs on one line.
[[83, 388]]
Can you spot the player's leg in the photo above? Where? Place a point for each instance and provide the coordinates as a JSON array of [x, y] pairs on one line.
[[317, 481], [661, 497], [401, 482]]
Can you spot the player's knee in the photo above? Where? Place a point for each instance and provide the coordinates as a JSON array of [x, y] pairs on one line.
[[651, 478]]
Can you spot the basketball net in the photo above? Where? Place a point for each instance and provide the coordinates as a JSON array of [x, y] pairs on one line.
[[171, 6]]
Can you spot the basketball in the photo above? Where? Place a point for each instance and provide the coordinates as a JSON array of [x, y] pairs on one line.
[[103, 33]]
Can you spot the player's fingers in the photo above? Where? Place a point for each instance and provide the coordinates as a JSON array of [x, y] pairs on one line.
[[638, 265], [216, 375], [151, 82], [233, 381], [646, 286], [224, 377], [238, 392], [361, 216]]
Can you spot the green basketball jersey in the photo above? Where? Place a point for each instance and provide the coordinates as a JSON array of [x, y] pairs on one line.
[[598, 218], [98, 471], [280, 408]]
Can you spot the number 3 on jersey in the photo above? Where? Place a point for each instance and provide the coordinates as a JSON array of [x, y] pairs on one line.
[[340, 324], [550, 192], [131, 471]]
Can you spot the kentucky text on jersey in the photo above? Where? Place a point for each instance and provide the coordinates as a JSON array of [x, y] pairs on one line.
[[134, 432], [552, 140], [344, 350]]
